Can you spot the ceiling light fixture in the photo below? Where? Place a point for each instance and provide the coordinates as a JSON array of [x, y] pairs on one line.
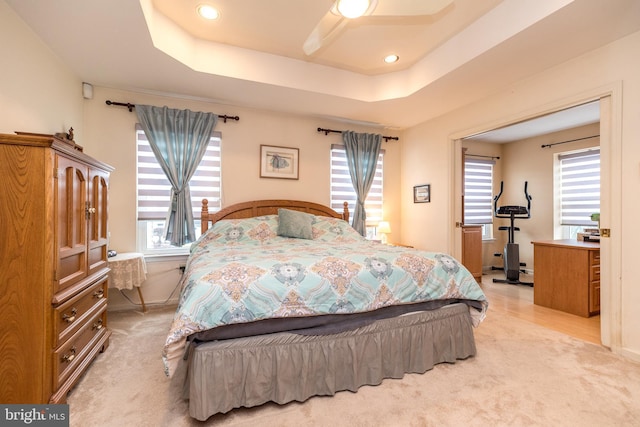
[[208, 12], [390, 59], [352, 8]]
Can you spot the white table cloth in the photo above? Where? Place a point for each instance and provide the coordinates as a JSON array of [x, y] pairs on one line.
[[128, 271]]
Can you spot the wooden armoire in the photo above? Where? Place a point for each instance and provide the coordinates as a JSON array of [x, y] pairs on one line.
[[53, 266]]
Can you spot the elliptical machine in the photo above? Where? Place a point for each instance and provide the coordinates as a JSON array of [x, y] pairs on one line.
[[511, 255]]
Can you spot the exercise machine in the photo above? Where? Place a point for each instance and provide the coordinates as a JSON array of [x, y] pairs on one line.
[[511, 254]]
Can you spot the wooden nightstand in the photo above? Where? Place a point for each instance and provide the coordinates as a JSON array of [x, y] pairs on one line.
[[399, 244]]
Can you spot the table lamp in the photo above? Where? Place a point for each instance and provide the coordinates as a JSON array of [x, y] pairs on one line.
[[384, 228]]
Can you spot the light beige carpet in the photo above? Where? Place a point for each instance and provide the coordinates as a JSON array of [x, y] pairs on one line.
[[523, 375]]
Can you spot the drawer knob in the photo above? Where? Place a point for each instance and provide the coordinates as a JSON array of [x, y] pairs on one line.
[[99, 293], [70, 318], [97, 325], [88, 210], [70, 356]]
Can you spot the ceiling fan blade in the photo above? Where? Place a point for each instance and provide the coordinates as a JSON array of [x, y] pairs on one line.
[[409, 7], [328, 27]]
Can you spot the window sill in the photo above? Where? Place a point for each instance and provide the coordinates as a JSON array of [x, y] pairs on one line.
[[161, 257]]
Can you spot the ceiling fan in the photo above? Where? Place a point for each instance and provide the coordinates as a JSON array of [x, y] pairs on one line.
[[343, 10]]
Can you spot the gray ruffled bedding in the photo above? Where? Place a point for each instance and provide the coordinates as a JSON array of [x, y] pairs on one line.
[[285, 367]]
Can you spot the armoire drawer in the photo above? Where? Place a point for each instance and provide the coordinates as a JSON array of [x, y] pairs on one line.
[[68, 356], [71, 315]]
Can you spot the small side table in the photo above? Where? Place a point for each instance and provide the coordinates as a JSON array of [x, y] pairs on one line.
[[128, 271], [400, 244]]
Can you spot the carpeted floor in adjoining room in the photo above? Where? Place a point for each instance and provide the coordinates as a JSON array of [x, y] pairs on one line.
[[523, 375]]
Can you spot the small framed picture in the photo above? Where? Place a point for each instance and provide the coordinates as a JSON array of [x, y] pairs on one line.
[[422, 193], [278, 162]]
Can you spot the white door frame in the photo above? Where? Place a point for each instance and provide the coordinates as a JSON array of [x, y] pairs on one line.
[[610, 97]]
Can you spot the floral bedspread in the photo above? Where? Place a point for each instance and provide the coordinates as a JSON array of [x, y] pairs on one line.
[[241, 271]]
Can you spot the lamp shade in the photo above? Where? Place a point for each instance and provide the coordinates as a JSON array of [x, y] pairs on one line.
[[384, 227]]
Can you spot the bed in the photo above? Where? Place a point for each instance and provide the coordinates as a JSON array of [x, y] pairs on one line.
[[282, 300]]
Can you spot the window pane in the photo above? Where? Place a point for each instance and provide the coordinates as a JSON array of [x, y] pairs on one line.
[[342, 189], [151, 236], [478, 191], [579, 187], [153, 191], [153, 186]]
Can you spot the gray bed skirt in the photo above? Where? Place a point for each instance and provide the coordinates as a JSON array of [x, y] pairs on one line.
[[285, 367]]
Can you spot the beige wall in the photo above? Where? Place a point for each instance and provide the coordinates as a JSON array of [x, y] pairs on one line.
[[110, 136], [428, 156], [38, 93]]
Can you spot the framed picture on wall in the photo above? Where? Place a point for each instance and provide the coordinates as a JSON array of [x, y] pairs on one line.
[[422, 193], [278, 162]]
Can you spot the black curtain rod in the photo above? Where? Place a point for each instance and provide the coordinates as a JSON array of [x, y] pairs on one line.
[[488, 157], [130, 106], [564, 142], [328, 131]]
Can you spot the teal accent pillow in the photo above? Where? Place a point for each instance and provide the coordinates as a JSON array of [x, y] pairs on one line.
[[295, 224]]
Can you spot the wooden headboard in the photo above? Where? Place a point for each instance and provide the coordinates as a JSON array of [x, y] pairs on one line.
[[266, 207]]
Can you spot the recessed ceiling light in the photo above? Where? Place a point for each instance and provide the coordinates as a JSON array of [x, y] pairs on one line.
[[390, 59], [208, 12], [352, 8]]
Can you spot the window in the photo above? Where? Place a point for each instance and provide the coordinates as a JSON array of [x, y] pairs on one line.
[[579, 187], [154, 192], [342, 189], [478, 194]]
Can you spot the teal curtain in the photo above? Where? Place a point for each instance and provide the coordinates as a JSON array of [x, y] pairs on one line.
[[362, 150], [179, 140]]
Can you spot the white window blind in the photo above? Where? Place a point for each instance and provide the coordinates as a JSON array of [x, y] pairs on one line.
[[579, 187], [478, 191], [154, 189], [342, 189]]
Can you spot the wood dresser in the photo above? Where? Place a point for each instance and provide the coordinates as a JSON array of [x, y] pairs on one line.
[[567, 276], [53, 266]]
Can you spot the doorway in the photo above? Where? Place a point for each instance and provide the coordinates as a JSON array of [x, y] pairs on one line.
[[609, 123]]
